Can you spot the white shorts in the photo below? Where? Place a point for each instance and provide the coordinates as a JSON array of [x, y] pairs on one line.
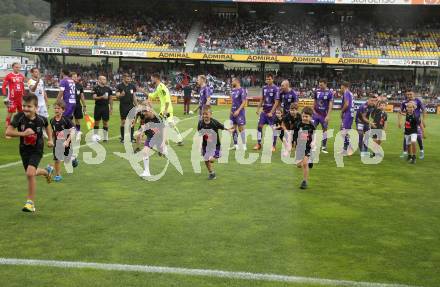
[[412, 138], [42, 111]]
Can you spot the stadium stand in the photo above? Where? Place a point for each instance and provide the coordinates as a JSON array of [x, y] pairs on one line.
[[232, 34], [145, 33], [238, 33], [368, 40]]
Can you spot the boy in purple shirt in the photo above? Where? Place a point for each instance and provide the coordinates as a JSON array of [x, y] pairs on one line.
[[67, 94], [269, 102], [205, 94], [287, 96], [362, 121], [420, 113], [322, 109], [238, 116], [347, 114]]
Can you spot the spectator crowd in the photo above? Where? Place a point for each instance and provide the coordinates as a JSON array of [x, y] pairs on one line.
[[160, 31], [233, 34]]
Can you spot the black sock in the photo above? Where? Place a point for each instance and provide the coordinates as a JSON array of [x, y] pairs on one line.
[[122, 132], [131, 133]]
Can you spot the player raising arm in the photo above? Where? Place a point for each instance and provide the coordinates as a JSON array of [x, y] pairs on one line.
[[36, 86]]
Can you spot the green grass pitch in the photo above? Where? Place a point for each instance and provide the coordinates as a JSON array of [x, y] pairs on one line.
[[374, 223]]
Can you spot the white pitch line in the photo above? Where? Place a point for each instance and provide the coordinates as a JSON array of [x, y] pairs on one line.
[[194, 272]]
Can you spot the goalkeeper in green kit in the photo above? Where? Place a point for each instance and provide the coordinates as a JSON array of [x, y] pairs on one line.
[[166, 107]]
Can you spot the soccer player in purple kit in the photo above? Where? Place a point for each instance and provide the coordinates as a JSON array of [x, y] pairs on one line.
[[205, 95], [238, 115], [288, 96], [363, 123], [347, 115], [67, 94], [420, 112], [322, 107], [269, 102]]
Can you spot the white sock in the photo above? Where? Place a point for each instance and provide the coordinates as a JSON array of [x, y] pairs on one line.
[[146, 164], [243, 137], [105, 133]]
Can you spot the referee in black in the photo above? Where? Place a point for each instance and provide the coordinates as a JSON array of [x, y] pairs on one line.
[[102, 94], [126, 93], [80, 107]]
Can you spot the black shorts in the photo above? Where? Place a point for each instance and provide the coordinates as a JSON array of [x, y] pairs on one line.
[[32, 158], [124, 110], [78, 113], [66, 156], [101, 113]]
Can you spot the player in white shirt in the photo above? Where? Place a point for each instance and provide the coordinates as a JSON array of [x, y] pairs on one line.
[[36, 86]]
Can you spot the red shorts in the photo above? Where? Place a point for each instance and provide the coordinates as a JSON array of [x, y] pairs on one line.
[[15, 106]]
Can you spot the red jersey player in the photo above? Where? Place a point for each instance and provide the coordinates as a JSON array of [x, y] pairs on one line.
[[15, 83]]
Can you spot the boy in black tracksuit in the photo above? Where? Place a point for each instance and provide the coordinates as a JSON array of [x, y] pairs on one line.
[[208, 128], [304, 138], [290, 123], [412, 122], [29, 127], [63, 130]]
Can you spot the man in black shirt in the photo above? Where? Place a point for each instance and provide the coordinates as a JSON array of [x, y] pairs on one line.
[[102, 95], [208, 128], [126, 93], [80, 107], [29, 127]]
